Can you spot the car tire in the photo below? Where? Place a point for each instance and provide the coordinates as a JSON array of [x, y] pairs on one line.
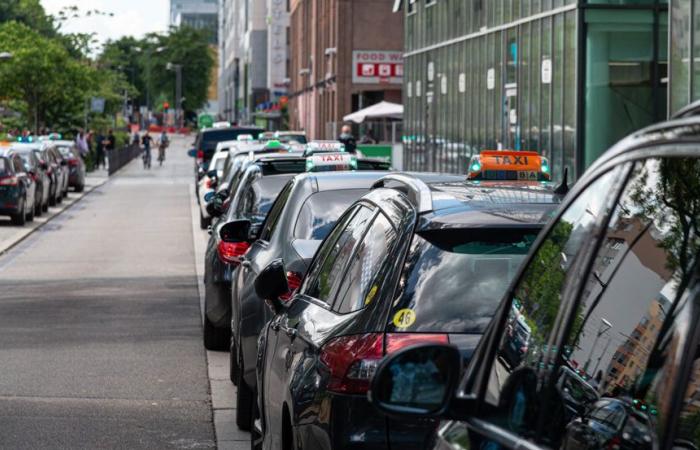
[[45, 206], [80, 188], [216, 339], [244, 401], [59, 198], [20, 218], [30, 214], [256, 438], [38, 209], [233, 363], [53, 198], [204, 223]]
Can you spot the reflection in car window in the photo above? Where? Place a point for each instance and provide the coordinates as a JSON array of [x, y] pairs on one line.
[[625, 339], [321, 210], [276, 212], [524, 353], [355, 293], [334, 255], [468, 270]]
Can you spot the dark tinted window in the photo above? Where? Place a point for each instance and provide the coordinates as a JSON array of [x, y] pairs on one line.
[[454, 280], [358, 288], [321, 210], [212, 137], [328, 268]]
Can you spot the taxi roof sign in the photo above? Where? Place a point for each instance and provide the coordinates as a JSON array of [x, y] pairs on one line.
[[328, 162], [245, 138], [324, 146], [509, 165]]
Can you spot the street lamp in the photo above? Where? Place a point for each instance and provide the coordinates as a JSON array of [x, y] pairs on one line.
[[604, 326], [178, 90]]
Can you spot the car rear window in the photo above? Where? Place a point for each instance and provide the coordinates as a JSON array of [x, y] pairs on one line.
[[321, 211], [455, 279], [212, 137], [258, 198], [4, 167]]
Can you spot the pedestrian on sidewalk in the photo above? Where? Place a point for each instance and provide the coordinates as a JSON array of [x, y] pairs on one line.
[[100, 150], [110, 144], [348, 139]]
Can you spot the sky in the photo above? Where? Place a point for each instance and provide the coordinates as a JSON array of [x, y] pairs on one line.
[[131, 17]]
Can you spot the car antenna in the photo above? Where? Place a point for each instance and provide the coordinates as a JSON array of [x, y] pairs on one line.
[[563, 187]]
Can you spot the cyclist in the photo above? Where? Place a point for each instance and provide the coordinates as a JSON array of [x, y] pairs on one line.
[[163, 143], [146, 141]]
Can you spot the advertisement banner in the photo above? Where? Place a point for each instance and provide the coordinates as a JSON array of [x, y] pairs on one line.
[[377, 67]]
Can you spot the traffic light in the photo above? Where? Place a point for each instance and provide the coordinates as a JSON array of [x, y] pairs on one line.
[[166, 105]]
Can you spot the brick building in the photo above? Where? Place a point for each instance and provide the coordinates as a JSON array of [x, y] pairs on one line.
[[345, 55]]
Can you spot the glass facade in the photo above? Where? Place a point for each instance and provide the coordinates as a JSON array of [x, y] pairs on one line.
[[685, 53], [543, 75]]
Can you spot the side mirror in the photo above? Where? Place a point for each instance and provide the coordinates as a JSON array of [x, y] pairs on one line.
[[271, 283], [192, 153], [212, 174], [209, 196], [417, 381], [215, 207], [235, 231]]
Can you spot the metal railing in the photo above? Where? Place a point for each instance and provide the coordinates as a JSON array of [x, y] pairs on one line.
[[120, 157]]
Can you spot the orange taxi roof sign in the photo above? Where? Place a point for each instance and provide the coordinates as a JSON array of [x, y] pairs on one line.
[[510, 160]]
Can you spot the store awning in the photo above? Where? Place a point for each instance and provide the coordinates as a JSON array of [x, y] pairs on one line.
[[382, 110]]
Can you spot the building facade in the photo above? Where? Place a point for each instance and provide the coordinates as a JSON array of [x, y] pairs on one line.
[[684, 40], [345, 55], [566, 78], [253, 49], [199, 14]]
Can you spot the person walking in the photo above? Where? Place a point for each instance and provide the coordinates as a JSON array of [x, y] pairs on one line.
[[100, 150], [110, 145], [146, 141], [348, 139]]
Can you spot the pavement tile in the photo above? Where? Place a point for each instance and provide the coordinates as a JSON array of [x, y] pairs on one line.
[[226, 429], [223, 394], [233, 445], [218, 365]]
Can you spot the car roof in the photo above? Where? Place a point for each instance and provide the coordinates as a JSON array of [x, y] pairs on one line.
[[331, 181], [236, 128], [22, 146]]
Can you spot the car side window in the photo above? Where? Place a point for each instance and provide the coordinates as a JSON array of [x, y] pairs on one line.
[[276, 212], [359, 288], [524, 350], [625, 333], [19, 164], [329, 267]]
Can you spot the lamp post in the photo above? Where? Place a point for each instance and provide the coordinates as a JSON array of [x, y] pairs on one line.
[[604, 326], [178, 90]]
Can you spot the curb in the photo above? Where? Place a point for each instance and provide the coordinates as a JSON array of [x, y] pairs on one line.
[[40, 226]]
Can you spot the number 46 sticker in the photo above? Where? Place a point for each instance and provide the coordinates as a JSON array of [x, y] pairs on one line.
[[404, 318]]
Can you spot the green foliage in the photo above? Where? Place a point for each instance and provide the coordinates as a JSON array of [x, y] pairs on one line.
[[28, 12]]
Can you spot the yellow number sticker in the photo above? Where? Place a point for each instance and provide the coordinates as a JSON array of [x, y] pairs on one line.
[[370, 295], [404, 318]]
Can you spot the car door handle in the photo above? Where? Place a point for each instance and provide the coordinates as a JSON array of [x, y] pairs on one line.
[[275, 326], [246, 264], [209, 230], [290, 332]]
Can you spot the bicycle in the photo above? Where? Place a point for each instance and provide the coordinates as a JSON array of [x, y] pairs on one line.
[[147, 158], [161, 154]]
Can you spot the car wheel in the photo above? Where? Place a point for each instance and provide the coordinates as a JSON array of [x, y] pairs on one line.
[[38, 209], [59, 198], [80, 188], [244, 401], [233, 363], [204, 222], [20, 218], [216, 339], [30, 214], [45, 206], [256, 435], [53, 198]]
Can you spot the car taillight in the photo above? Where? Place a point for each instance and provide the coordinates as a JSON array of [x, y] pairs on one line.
[[207, 183], [231, 252], [293, 282], [614, 443], [352, 360], [200, 156], [9, 181]]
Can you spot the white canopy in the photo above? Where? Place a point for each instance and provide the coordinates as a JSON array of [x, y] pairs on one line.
[[382, 110]]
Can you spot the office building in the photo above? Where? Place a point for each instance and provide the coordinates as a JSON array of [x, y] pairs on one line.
[[566, 78], [199, 14]]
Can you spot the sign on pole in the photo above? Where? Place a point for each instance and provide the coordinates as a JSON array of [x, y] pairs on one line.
[[97, 105]]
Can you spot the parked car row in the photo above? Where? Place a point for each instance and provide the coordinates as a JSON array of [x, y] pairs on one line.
[[367, 308], [36, 175]]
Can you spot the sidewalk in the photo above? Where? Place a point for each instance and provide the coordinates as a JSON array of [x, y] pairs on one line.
[[11, 235]]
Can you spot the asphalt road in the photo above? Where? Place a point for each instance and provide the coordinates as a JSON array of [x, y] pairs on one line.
[[100, 332]]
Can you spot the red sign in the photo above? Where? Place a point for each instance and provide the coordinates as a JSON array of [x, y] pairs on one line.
[[375, 67]]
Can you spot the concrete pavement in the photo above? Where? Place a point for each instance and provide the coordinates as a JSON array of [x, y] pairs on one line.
[[100, 321]]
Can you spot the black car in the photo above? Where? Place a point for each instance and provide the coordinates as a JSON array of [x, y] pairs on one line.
[[252, 195], [611, 291], [17, 188], [205, 144], [75, 164], [38, 170], [386, 278], [303, 214]]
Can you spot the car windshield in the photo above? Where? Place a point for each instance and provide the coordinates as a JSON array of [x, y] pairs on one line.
[[321, 210], [453, 280]]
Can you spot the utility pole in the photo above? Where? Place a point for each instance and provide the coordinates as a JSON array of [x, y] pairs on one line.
[[178, 91]]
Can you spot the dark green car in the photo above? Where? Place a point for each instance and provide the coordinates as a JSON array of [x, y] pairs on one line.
[[17, 188]]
